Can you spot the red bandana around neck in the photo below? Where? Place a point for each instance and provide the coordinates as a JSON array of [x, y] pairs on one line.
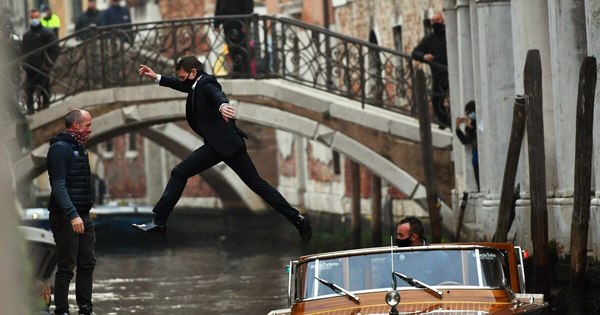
[[81, 136]]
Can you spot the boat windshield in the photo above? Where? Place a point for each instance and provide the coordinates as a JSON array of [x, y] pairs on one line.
[[473, 267]]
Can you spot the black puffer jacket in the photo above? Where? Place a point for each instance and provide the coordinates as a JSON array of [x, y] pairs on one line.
[[70, 177], [34, 38]]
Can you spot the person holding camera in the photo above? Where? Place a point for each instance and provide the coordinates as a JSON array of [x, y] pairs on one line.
[[469, 135]]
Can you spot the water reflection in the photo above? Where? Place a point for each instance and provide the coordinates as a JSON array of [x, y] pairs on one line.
[[209, 264]]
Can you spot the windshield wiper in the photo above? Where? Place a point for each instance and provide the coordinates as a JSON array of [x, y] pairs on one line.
[[336, 288], [418, 284]]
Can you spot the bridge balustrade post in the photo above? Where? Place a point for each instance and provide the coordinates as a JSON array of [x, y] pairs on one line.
[[103, 61], [413, 89], [328, 74], [275, 50], [266, 57], [363, 84], [283, 45], [174, 41], [296, 59], [347, 75], [254, 47], [88, 64]]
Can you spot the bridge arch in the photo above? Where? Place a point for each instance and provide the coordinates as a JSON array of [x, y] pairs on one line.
[[280, 105]]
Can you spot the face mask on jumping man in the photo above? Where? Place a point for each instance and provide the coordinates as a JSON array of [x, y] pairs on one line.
[[403, 243], [35, 22], [439, 28], [188, 82]]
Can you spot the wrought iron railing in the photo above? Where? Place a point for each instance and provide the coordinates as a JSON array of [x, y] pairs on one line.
[[243, 46]]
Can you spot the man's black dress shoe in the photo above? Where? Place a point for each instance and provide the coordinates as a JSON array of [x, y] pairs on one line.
[[304, 229], [85, 310], [151, 227]]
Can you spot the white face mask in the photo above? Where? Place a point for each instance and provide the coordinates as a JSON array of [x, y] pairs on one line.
[[44, 15]]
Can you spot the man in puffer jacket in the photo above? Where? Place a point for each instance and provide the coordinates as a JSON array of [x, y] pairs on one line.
[[70, 203]]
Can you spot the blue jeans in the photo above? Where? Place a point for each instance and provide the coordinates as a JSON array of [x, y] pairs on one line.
[[74, 250]]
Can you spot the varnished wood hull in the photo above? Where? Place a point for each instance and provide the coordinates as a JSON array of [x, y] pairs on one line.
[[454, 301]]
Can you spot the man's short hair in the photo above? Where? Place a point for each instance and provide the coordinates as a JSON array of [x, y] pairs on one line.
[[72, 117], [188, 63], [416, 226]]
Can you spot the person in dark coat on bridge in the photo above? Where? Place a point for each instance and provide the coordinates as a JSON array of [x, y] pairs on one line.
[[117, 14], [38, 65], [236, 33], [432, 50], [91, 17], [210, 115], [70, 203]]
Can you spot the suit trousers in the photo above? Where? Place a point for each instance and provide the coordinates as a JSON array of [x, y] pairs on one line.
[[205, 157], [74, 250]]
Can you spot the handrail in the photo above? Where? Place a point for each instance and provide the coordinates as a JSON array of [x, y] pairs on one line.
[[259, 47]]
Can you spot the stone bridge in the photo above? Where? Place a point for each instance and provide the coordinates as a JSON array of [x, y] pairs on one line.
[[338, 96]]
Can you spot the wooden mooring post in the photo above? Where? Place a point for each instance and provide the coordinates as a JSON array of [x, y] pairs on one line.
[[582, 185], [427, 157], [356, 218], [537, 171], [376, 210], [510, 170]]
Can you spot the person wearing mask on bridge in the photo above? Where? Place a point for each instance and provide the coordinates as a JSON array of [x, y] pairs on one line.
[[432, 50], [91, 17], [70, 203], [119, 14], [37, 66], [49, 19], [210, 115]]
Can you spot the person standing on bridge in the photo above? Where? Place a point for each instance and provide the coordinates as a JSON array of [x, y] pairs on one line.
[[237, 33], [210, 115], [70, 203], [89, 18], [50, 20], [432, 50], [38, 65]]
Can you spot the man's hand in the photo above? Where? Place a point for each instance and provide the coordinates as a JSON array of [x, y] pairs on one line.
[[146, 71], [227, 111], [428, 57], [77, 225]]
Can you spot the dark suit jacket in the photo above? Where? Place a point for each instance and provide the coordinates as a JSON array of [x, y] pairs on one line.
[[203, 116]]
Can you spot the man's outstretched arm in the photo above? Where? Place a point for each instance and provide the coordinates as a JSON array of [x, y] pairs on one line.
[[164, 81]]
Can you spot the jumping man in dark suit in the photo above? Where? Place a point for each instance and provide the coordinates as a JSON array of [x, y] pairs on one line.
[[209, 114]]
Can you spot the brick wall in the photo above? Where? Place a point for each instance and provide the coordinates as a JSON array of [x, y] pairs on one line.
[[179, 9]]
